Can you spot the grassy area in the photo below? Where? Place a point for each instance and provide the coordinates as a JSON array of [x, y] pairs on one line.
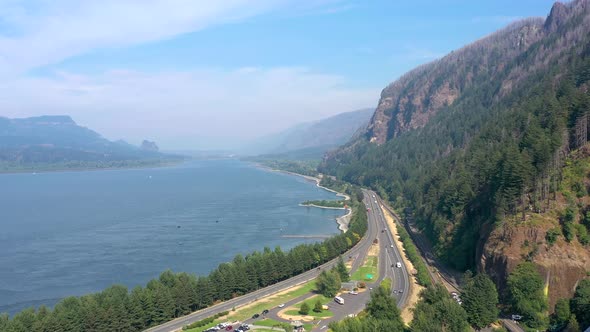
[[326, 203], [386, 283], [370, 267], [274, 323], [244, 313], [203, 328], [311, 303], [412, 252]]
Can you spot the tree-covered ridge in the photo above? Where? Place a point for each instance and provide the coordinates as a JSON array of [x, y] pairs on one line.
[[176, 294], [492, 153]]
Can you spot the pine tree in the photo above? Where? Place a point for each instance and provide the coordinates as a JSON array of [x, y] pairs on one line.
[[318, 306], [480, 301], [383, 306], [580, 303], [342, 270], [304, 310], [328, 283]]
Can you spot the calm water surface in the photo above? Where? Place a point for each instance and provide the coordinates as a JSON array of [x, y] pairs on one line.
[[72, 233]]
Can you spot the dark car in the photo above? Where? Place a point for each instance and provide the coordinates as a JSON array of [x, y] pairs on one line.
[[265, 311], [255, 316], [229, 328]]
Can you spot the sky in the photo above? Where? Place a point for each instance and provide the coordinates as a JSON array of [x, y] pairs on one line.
[[202, 74]]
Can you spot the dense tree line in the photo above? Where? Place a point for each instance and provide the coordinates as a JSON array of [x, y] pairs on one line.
[[526, 295], [176, 294], [573, 314], [382, 314]]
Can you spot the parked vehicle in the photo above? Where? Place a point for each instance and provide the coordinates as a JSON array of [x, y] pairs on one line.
[[281, 305], [255, 316], [353, 293], [265, 311], [339, 300]]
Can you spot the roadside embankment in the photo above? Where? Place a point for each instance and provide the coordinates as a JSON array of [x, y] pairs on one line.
[[415, 287]]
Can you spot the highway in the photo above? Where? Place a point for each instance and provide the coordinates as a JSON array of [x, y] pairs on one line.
[[443, 276], [359, 250], [388, 257]]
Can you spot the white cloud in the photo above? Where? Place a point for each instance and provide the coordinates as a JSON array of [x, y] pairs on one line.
[[173, 107], [176, 108], [42, 32]]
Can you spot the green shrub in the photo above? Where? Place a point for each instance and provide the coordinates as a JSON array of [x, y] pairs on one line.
[[552, 235]]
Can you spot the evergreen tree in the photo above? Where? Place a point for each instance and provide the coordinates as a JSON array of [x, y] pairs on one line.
[[480, 301], [304, 310], [525, 287], [436, 311], [572, 325], [383, 306], [562, 312], [318, 306], [328, 283], [342, 270], [580, 303]]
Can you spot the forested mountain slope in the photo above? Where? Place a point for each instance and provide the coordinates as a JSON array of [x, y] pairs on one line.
[[480, 137], [313, 139], [58, 142]]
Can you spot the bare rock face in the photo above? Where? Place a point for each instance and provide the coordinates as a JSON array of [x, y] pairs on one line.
[[561, 264], [412, 100]]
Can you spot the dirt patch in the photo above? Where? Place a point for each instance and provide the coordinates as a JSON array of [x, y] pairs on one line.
[[373, 251], [415, 288]]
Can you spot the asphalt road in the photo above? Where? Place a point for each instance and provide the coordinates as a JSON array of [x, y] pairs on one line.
[[388, 257], [359, 250], [447, 278]]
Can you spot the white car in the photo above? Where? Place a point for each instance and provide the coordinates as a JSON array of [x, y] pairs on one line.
[[281, 305], [353, 293], [398, 264]]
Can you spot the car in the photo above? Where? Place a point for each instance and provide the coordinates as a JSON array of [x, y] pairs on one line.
[[516, 317], [245, 327], [401, 291], [255, 316], [454, 294], [391, 246], [229, 328], [353, 293], [281, 305], [265, 311]]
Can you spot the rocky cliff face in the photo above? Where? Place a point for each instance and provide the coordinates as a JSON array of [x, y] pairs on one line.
[[411, 101], [561, 264]]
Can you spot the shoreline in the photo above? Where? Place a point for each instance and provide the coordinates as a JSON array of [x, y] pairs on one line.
[[342, 221], [92, 169]]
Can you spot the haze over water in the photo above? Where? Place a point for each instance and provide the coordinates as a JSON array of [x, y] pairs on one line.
[[73, 233]]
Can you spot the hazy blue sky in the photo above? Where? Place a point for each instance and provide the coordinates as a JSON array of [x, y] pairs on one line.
[[192, 73]]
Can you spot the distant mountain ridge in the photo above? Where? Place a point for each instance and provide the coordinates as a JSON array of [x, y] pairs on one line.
[[46, 140], [312, 139]]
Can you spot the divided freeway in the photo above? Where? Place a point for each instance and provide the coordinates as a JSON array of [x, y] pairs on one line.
[[389, 256]]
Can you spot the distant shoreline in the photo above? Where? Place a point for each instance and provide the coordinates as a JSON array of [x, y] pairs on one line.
[[342, 221], [91, 169]]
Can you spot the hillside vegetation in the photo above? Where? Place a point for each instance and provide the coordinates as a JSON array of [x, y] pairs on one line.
[[57, 142], [481, 136]]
